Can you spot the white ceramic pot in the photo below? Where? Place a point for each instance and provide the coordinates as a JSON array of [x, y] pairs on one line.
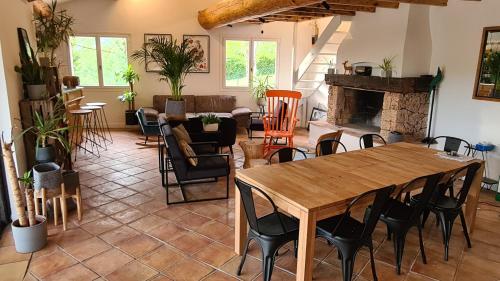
[[211, 127], [36, 92], [261, 101]]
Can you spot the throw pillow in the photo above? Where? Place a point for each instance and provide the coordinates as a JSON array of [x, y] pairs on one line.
[[188, 152], [181, 133]]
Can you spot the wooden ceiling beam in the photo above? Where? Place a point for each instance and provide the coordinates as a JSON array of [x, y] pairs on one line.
[[423, 2], [370, 3], [227, 12], [337, 7]]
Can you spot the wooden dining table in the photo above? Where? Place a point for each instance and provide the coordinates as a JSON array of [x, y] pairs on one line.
[[318, 188]]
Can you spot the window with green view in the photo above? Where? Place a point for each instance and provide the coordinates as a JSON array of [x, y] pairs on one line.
[[88, 51], [237, 63]]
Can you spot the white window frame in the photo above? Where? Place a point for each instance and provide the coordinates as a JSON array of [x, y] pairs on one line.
[[97, 37], [250, 61]]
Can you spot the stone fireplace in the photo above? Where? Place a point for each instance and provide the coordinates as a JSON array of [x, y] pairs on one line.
[[380, 104]]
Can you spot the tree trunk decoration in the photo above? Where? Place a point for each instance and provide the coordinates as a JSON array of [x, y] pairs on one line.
[[10, 169], [30, 204]]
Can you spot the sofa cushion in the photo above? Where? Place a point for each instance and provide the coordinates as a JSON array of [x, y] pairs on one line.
[[215, 103], [159, 102], [209, 167], [188, 153], [241, 111], [181, 134]]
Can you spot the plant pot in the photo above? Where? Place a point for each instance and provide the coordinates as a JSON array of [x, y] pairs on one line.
[[395, 137], [30, 239], [45, 154], [71, 181], [131, 118], [214, 127], [386, 74], [47, 175], [175, 109], [261, 101], [331, 70], [36, 92]]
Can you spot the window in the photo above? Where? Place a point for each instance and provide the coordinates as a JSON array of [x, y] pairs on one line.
[[99, 60], [249, 60]]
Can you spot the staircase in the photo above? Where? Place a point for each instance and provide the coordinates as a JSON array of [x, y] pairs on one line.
[[310, 76]]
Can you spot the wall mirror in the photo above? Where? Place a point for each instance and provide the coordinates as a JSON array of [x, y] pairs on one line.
[[488, 69]]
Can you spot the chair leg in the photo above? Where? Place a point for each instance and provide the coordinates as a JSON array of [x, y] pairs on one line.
[[231, 149], [421, 241], [399, 245], [425, 216], [268, 266], [389, 233], [347, 266], [146, 141], [372, 262], [446, 228], [464, 227], [295, 247], [240, 267]]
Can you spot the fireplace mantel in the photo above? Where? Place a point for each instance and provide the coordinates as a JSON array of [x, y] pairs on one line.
[[373, 83]]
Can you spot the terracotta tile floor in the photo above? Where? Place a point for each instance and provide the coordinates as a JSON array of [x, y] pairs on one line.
[[128, 233]]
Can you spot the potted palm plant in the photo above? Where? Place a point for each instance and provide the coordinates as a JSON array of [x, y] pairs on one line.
[[29, 231], [210, 122], [32, 75], [387, 67], [260, 86], [175, 61], [130, 76]]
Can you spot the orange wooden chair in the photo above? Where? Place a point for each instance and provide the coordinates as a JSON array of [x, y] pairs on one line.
[[281, 118]]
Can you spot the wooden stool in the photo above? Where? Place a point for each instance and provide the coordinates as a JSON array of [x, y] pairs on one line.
[[83, 126], [254, 154], [58, 195], [102, 113], [97, 123]]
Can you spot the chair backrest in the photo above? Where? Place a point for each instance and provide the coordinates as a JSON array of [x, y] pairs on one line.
[[328, 146], [430, 187], [470, 171], [286, 154], [141, 117], [366, 140], [282, 106], [452, 144], [373, 213], [246, 192], [177, 158]]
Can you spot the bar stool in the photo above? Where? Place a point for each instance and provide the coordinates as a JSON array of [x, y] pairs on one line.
[[98, 124], [81, 121], [102, 113]]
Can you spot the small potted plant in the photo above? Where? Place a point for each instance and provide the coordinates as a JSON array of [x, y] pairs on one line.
[[29, 230], [210, 122], [129, 97], [175, 61], [260, 86], [387, 67], [32, 75]]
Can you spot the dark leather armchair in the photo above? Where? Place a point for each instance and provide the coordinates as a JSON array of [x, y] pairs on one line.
[[210, 167], [149, 128]]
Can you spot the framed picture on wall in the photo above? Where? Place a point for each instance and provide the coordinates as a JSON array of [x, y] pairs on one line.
[[487, 85], [152, 66], [202, 44]]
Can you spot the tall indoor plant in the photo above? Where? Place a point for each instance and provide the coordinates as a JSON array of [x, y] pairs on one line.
[[52, 30], [175, 61], [130, 76]]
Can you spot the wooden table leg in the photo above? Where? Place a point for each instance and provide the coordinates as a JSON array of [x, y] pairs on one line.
[[240, 224], [473, 199], [307, 239]]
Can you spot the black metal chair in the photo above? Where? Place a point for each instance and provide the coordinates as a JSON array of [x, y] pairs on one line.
[[256, 119], [448, 207], [271, 231], [400, 217], [452, 144], [149, 128], [328, 146], [349, 235], [227, 133], [210, 166], [366, 140], [286, 154]]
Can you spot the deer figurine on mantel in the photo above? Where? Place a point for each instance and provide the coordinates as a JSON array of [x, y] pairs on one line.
[[347, 68]]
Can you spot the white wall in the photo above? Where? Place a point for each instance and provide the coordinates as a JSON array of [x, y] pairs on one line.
[[418, 43], [456, 38], [134, 18], [15, 14]]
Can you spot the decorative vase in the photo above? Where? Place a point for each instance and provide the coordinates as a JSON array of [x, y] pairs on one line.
[[45, 154], [47, 175], [30, 239], [131, 118], [36, 92], [386, 74], [214, 127], [261, 102], [175, 109], [331, 70]]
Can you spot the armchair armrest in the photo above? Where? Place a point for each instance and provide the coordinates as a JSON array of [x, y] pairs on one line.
[[204, 143]]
